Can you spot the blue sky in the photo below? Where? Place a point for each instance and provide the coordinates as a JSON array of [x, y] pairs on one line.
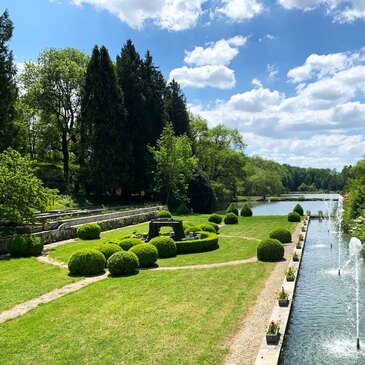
[[288, 74]]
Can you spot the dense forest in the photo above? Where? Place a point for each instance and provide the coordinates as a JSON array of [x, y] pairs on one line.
[[117, 131]]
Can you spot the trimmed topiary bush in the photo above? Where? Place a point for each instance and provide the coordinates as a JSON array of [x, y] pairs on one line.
[[281, 234], [215, 225], [231, 218], [246, 211], [298, 208], [25, 245], [89, 231], [127, 243], [270, 249], [187, 224], [86, 262], [207, 227], [108, 249], [122, 263], [215, 218], [147, 254], [232, 208], [293, 217], [191, 229], [207, 242], [166, 246], [182, 209], [163, 214]]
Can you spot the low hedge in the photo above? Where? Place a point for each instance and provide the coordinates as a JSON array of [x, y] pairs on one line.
[[86, 262], [163, 214], [89, 231], [270, 249], [25, 245], [127, 243], [215, 218], [108, 249], [232, 208], [166, 246], [293, 217], [298, 209], [147, 254], [208, 242], [281, 234], [246, 211], [231, 218], [122, 263], [206, 227]]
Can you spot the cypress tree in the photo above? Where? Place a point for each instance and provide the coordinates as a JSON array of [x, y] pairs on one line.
[[8, 89], [176, 110]]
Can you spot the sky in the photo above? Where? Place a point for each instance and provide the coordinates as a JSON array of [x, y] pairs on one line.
[[289, 75]]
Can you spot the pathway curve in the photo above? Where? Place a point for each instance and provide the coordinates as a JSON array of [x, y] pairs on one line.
[[254, 323]]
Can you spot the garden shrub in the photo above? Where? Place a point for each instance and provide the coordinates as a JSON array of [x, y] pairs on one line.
[[182, 209], [187, 224], [207, 242], [215, 225], [270, 249], [246, 211], [232, 208], [192, 229], [231, 218], [163, 214], [86, 262], [108, 249], [281, 234], [215, 218], [298, 208], [89, 231], [122, 263], [127, 243], [293, 217], [147, 254], [166, 246], [25, 245], [206, 227]]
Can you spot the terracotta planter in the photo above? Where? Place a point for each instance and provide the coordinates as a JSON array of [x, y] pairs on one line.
[[273, 339], [296, 258], [290, 278], [283, 302]]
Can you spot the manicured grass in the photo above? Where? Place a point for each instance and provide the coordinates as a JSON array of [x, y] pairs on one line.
[[26, 278], [156, 317]]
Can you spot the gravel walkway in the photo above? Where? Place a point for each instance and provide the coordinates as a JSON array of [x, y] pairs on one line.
[[246, 343]]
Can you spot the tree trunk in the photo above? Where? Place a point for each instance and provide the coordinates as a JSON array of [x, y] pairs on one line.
[[66, 158]]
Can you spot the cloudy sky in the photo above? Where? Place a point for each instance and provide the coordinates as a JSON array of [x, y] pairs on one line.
[[288, 74]]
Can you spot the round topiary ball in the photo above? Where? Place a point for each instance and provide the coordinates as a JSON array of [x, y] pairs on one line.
[[122, 263], [246, 211], [192, 229], [147, 254], [231, 218], [25, 245], [89, 231], [206, 227], [86, 262], [166, 246], [281, 234], [232, 208], [163, 214], [215, 218], [215, 225], [127, 243], [298, 208], [187, 224], [293, 217], [270, 249], [108, 249]]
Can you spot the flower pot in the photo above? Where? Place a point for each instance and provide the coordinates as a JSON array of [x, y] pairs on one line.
[[298, 247], [283, 302], [296, 258], [273, 339], [290, 278]]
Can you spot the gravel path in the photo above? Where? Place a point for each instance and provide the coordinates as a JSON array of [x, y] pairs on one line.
[[246, 343]]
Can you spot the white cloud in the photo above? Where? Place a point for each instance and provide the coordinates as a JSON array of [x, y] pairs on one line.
[[343, 11], [272, 72], [209, 75], [219, 53], [173, 15], [239, 10], [268, 36]]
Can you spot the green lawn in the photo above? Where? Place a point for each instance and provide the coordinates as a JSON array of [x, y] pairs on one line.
[[26, 278], [156, 317]]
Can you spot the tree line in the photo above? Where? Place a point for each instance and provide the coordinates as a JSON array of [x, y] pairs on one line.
[[116, 130]]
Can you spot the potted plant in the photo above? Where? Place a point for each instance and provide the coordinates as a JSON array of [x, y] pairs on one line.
[[303, 229], [298, 245], [283, 298], [272, 333], [301, 238], [290, 274], [295, 256]]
